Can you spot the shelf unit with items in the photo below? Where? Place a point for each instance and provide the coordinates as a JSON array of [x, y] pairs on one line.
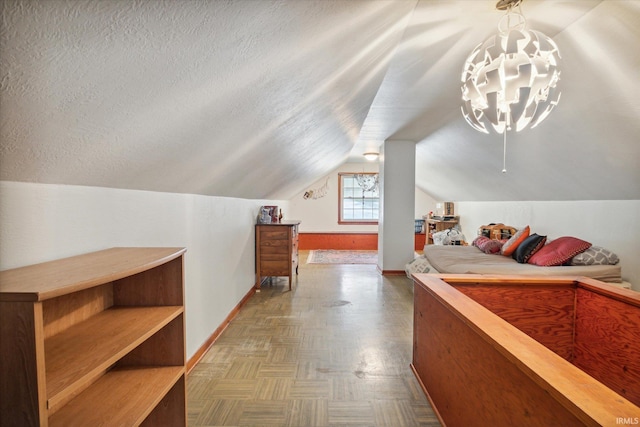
[[433, 225], [95, 339]]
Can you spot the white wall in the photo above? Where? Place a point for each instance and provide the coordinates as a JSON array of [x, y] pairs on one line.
[[41, 222], [321, 215], [613, 224], [424, 203]]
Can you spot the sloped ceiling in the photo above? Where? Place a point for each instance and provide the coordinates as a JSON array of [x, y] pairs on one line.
[[258, 99]]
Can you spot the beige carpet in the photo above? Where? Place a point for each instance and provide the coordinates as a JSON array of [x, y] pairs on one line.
[[342, 257]]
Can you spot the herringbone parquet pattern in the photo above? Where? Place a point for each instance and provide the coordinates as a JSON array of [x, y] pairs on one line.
[[334, 351]]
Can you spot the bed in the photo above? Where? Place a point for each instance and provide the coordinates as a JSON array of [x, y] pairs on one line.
[[448, 259], [527, 351]]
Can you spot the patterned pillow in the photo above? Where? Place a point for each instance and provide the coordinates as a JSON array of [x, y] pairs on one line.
[[487, 245], [595, 255], [418, 265], [511, 245], [559, 251], [528, 248]]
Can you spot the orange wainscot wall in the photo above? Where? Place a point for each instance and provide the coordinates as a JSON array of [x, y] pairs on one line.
[[347, 241]]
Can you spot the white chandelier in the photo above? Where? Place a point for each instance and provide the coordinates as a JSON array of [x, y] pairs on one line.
[[367, 181], [510, 81]]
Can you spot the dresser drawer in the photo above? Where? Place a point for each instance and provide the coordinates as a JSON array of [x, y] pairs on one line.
[[274, 257], [274, 233], [274, 247], [275, 267]]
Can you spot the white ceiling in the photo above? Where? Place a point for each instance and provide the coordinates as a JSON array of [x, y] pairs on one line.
[[258, 99]]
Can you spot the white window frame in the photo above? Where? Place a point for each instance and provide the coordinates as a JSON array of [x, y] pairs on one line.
[[355, 205]]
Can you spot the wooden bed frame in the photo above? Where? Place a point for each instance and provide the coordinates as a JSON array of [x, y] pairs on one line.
[[523, 350]]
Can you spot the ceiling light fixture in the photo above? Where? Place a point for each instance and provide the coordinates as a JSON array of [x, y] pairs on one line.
[[371, 156], [509, 82]]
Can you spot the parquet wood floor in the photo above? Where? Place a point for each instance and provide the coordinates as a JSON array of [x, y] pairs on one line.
[[334, 351]]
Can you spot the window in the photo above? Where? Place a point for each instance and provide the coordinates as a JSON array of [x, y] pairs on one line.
[[359, 198]]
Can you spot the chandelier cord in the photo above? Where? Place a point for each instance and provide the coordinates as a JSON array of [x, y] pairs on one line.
[[504, 152]]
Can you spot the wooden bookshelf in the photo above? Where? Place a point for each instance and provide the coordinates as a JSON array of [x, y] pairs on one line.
[[434, 225], [94, 339], [135, 392]]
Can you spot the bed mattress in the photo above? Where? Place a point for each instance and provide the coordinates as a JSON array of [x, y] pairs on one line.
[[470, 260]]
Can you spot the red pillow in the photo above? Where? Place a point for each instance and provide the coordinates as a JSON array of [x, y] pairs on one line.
[[487, 245], [515, 240], [559, 251]]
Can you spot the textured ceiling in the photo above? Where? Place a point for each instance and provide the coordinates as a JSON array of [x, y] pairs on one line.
[[258, 99]]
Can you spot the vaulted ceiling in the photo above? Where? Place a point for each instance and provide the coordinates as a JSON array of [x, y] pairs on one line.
[[258, 99]]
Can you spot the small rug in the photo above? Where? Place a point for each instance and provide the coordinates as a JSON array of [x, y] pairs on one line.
[[342, 257]]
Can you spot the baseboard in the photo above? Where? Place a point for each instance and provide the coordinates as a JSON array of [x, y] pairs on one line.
[[392, 272], [193, 360]]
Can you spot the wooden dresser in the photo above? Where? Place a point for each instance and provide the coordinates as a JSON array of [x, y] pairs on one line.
[[276, 250], [95, 339]]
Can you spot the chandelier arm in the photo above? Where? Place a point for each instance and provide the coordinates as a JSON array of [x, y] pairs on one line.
[[507, 4]]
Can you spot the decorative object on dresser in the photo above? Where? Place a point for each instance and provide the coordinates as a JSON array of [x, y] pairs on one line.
[[276, 250], [264, 217], [95, 339], [268, 215]]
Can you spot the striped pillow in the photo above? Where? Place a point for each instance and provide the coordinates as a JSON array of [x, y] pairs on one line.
[[511, 245]]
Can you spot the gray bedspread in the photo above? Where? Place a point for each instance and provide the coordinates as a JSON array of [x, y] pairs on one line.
[[470, 260]]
